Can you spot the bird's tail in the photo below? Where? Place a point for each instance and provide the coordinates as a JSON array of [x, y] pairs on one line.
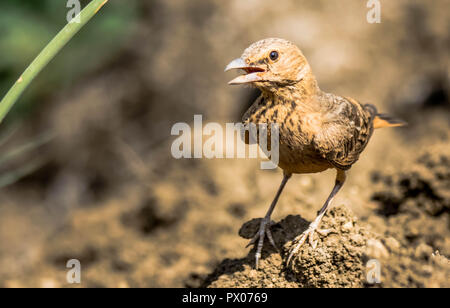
[[383, 120]]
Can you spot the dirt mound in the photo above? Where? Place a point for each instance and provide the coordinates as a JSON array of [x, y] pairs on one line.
[[339, 260], [345, 250]]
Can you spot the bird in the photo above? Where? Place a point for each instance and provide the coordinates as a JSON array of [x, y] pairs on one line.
[[317, 130]]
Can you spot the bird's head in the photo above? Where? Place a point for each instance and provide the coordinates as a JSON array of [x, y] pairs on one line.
[[271, 63]]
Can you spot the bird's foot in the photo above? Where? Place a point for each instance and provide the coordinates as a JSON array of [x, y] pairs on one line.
[[307, 234], [264, 230]]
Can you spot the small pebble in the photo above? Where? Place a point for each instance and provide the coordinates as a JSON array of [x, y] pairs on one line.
[[376, 249], [423, 251], [347, 227], [392, 244]]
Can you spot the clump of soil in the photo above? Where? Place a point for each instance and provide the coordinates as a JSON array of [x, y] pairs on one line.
[[414, 208], [416, 203], [337, 261], [424, 189]]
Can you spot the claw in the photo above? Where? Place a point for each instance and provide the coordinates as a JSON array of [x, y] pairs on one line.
[[253, 240], [264, 231], [324, 232], [311, 239], [301, 239], [257, 256], [269, 236]]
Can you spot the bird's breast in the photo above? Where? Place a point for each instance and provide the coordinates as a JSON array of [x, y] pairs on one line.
[[296, 128]]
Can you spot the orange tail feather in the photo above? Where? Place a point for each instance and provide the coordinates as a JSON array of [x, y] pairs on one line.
[[384, 120]]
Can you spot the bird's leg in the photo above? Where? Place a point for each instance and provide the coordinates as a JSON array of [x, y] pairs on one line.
[[313, 227], [264, 228]]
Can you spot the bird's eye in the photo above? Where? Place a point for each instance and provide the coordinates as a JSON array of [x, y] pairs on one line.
[[273, 55]]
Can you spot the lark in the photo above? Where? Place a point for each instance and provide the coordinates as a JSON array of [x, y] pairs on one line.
[[317, 130]]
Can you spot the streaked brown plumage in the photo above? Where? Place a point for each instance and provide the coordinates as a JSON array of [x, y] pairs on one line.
[[317, 130]]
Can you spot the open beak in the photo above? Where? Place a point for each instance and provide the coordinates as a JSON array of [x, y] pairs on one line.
[[252, 72]]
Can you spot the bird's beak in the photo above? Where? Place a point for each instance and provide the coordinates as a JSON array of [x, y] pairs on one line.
[[252, 72]]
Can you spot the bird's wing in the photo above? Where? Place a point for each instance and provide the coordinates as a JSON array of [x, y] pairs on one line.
[[346, 130]]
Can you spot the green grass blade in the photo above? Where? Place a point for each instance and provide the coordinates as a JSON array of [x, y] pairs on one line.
[[6, 136], [24, 148], [14, 176], [46, 55]]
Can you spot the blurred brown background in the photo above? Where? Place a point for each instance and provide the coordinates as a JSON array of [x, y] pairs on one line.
[[107, 190]]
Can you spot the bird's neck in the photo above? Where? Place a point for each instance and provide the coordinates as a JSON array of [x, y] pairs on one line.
[[299, 91]]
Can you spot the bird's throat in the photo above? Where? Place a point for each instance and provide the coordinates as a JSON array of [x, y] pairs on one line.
[[297, 91]]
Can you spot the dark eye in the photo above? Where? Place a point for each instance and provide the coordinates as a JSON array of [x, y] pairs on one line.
[[273, 55]]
